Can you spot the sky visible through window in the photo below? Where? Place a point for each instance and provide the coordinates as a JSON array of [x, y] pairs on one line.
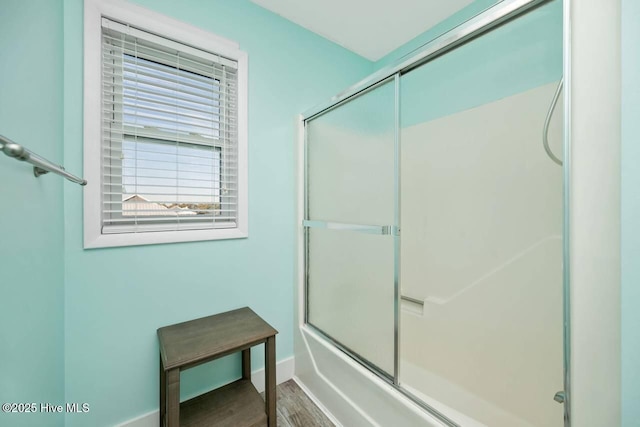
[[170, 115]]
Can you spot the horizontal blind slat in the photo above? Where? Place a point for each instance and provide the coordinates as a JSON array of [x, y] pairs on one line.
[[169, 122], [209, 181], [230, 158], [184, 218], [167, 125], [117, 136], [228, 169], [114, 91], [191, 202]]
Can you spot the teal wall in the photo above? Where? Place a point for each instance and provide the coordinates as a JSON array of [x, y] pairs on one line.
[[116, 298], [630, 232], [31, 228]]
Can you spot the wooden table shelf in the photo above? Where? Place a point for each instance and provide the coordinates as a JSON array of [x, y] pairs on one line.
[[188, 344], [235, 404]]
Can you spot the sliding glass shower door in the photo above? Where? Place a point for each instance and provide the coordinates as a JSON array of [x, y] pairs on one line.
[[434, 222], [481, 245], [350, 215]]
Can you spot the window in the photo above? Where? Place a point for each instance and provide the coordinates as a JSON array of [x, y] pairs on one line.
[[171, 154]]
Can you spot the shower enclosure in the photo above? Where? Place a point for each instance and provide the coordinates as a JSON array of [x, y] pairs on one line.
[[433, 222]]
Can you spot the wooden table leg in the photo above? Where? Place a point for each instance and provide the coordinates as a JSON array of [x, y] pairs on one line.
[[173, 398], [246, 364], [270, 380], [163, 393]]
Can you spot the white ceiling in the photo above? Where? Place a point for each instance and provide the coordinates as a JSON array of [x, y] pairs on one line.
[[369, 28]]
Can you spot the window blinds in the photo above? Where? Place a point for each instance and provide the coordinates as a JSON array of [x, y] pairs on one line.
[[169, 134]]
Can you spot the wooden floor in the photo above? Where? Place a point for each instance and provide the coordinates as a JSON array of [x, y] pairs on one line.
[[295, 409]]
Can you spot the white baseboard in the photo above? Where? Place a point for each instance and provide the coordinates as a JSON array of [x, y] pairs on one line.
[[284, 372]]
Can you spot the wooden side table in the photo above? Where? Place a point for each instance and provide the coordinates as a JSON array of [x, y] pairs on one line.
[[188, 344]]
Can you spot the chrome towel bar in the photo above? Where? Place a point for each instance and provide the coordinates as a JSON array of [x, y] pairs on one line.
[[41, 165]]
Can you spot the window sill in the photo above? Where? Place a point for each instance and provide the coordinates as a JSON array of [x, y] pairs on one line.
[[161, 237]]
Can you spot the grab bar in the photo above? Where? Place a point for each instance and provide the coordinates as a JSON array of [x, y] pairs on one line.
[[41, 165], [545, 131], [413, 300]]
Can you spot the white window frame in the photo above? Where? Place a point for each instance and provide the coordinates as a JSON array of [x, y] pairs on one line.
[[164, 26]]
